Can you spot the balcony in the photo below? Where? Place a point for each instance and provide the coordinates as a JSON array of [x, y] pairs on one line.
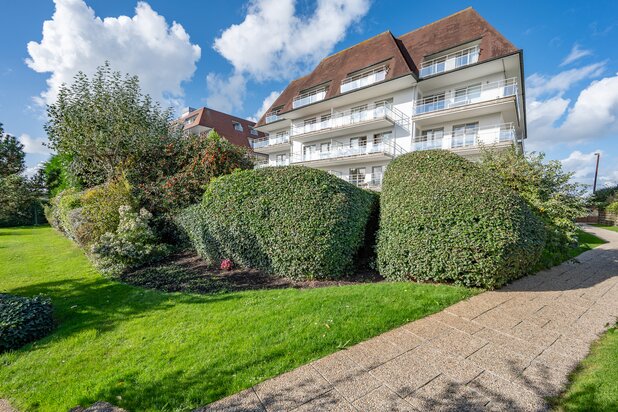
[[467, 96], [342, 153], [382, 114], [372, 181], [449, 62], [264, 162], [270, 143], [501, 134], [363, 80], [308, 98], [271, 117]]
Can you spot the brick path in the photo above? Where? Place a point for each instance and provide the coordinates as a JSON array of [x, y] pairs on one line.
[[501, 350]]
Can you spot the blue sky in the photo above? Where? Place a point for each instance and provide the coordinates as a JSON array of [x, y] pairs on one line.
[[233, 55]]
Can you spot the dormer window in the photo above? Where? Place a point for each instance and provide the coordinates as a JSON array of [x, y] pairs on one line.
[[253, 131], [364, 78], [443, 62], [310, 96], [238, 127], [273, 116], [190, 120]]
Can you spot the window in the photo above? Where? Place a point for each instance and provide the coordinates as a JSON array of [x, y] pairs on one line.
[[358, 142], [431, 103], [376, 175], [466, 94], [253, 131], [379, 138], [238, 126], [308, 152], [357, 175], [430, 139], [190, 120], [325, 147], [465, 134], [358, 113], [281, 159]]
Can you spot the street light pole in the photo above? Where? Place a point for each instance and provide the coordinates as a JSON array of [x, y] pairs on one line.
[[596, 173]]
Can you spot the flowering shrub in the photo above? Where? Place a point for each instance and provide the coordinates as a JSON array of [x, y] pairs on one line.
[[133, 244], [226, 264]]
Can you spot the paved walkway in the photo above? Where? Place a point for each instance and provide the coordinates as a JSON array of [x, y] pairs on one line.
[[503, 350]]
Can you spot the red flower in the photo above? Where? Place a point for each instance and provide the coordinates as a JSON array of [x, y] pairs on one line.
[[226, 264]]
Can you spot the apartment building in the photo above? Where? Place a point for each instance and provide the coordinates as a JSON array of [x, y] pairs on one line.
[[235, 129], [455, 84]]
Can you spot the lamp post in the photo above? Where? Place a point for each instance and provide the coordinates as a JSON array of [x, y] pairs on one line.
[[596, 173]]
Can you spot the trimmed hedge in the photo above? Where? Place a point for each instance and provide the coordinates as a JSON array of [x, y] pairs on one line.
[[444, 219], [291, 221], [23, 320]]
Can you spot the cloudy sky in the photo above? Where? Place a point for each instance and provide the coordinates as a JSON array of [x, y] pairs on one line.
[[236, 56]]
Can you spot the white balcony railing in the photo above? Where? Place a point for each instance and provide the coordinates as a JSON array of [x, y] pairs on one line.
[[364, 79], [271, 117], [308, 98], [347, 118], [450, 61], [473, 94], [488, 136], [269, 141], [264, 162], [372, 181], [339, 150]]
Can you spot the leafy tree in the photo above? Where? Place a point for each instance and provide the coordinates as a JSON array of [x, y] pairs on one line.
[[104, 126], [11, 154], [549, 192], [56, 175]]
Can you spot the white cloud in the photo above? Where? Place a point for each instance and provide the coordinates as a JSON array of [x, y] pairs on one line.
[[583, 166], [226, 94], [538, 85], [575, 54], [144, 45], [34, 145], [275, 41], [268, 101], [31, 171]]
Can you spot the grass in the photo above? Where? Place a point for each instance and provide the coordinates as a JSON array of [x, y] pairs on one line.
[[153, 351], [594, 385], [612, 228], [587, 241]]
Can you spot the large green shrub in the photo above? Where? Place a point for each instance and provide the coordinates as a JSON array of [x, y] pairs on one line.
[[23, 320], [85, 216], [131, 245], [443, 218], [549, 192], [292, 221], [613, 207]]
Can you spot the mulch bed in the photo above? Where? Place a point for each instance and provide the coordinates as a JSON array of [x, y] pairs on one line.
[[187, 272]]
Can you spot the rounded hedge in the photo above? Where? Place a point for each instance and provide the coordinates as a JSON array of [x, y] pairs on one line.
[[444, 219], [23, 320], [290, 221]]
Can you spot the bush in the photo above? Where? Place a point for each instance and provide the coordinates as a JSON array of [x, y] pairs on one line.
[[603, 197], [550, 194], [85, 216], [23, 320], [132, 245], [292, 221], [442, 218], [613, 207]]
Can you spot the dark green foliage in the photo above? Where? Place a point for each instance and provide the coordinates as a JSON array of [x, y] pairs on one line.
[[604, 197], [56, 174], [11, 155], [104, 126], [23, 320], [292, 222], [444, 219], [550, 194]]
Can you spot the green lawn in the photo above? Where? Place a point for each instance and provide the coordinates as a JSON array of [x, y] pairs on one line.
[[594, 386], [587, 241], [147, 350], [612, 228]]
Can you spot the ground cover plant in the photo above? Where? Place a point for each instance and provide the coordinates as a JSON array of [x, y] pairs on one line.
[[153, 351], [23, 320], [593, 385], [445, 219], [294, 222]]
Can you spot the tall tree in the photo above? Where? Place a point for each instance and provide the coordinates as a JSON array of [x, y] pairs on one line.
[[105, 127], [11, 154]]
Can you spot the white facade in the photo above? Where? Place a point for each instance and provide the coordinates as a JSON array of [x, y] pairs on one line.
[[458, 105]]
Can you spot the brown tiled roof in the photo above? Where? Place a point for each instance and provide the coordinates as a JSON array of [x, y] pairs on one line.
[[403, 55], [333, 69], [223, 124], [454, 30]]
